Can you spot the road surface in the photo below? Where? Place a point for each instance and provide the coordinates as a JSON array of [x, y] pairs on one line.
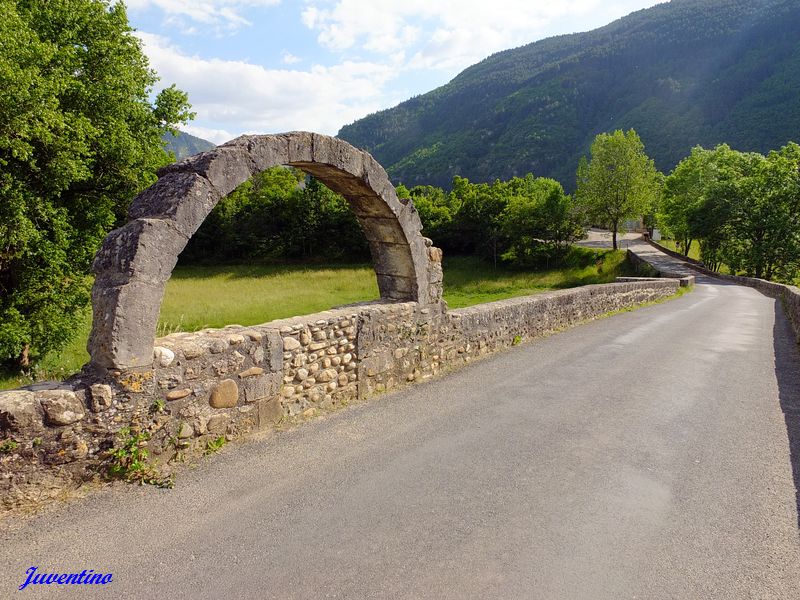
[[647, 455]]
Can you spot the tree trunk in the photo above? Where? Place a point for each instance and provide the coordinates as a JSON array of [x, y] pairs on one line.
[[614, 228], [24, 358]]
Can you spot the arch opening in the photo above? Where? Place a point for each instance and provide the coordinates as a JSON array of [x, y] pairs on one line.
[[135, 261]]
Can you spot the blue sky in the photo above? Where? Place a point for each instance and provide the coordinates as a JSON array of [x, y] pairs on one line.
[[266, 66]]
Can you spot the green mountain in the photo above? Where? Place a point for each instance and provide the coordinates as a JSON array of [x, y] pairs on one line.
[[681, 73], [184, 144]]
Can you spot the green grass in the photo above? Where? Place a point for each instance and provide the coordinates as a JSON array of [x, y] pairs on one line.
[[214, 296], [468, 281], [253, 294]]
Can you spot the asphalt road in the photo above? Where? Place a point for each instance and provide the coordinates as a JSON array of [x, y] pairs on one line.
[[645, 455]]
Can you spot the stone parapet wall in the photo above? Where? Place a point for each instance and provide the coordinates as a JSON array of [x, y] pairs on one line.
[[227, 382], [674, 254], [789, 295]]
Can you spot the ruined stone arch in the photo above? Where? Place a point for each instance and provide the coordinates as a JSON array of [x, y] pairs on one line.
[[136, 260]]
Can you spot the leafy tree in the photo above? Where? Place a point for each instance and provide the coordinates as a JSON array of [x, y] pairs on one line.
[[280, 214], [723, 187], [619, 182], [436, 210], [762, 230], [479, 217], [744, 209], [684, 193], [78, 138], [539, 219]]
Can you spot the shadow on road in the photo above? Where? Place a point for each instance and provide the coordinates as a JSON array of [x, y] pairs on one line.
[[787, 370]]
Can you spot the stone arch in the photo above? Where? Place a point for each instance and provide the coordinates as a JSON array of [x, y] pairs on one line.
[[136, 260]]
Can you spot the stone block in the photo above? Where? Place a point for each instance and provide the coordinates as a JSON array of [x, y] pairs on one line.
[[378, 229], [163, 357], [225, 394], [20, 411], [124, 323], [182, 198], [185, 431], [100, 397], [192, 350], [301, 147], [348, 186], [392, 259], [263, 386], [226, 167], [327, 375], [61, 407], [375, 176], [367, 204], [393, 287], [289, 344], [217, 424], [270, 411], [178, 394], [265, 151], [338, 153], [251, 372], [145, 248]]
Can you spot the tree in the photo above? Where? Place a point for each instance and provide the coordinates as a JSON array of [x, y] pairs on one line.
[[719, 174], [479, 216], [436, 213], [539, 219], [684, 193], [618, 182], [762, 202], [79, 138]]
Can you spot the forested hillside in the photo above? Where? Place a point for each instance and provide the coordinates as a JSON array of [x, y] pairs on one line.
[[683, 73], [185, 144]]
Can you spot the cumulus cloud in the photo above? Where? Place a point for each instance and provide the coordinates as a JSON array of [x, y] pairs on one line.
[[235, 97]]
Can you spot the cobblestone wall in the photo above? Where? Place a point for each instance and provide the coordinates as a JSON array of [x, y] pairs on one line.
[[227, 382]]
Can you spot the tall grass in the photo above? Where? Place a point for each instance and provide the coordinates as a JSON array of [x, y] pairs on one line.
[[214, 296]]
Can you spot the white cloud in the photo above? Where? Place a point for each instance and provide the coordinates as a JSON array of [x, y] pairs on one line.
[[451, 34], [288, 58], [218, 136], [234, 97], [208, 12]]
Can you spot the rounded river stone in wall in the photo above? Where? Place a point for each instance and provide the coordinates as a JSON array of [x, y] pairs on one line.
[[225, 394]]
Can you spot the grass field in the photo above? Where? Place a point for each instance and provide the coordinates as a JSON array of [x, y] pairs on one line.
[[214, 296]]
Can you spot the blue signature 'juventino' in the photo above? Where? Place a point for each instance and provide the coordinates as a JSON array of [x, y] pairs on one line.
[[65, 578]]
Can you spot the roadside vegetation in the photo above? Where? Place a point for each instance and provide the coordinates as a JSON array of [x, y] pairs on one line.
[[741, 209]]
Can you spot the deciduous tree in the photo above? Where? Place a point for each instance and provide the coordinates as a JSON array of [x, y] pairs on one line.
[[618, 182], [79, 137]]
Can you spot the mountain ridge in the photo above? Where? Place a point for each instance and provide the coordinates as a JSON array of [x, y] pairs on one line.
[[185, 144], [681, 73]]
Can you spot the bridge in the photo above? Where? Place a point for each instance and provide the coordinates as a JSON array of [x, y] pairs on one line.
[[647, 455]]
